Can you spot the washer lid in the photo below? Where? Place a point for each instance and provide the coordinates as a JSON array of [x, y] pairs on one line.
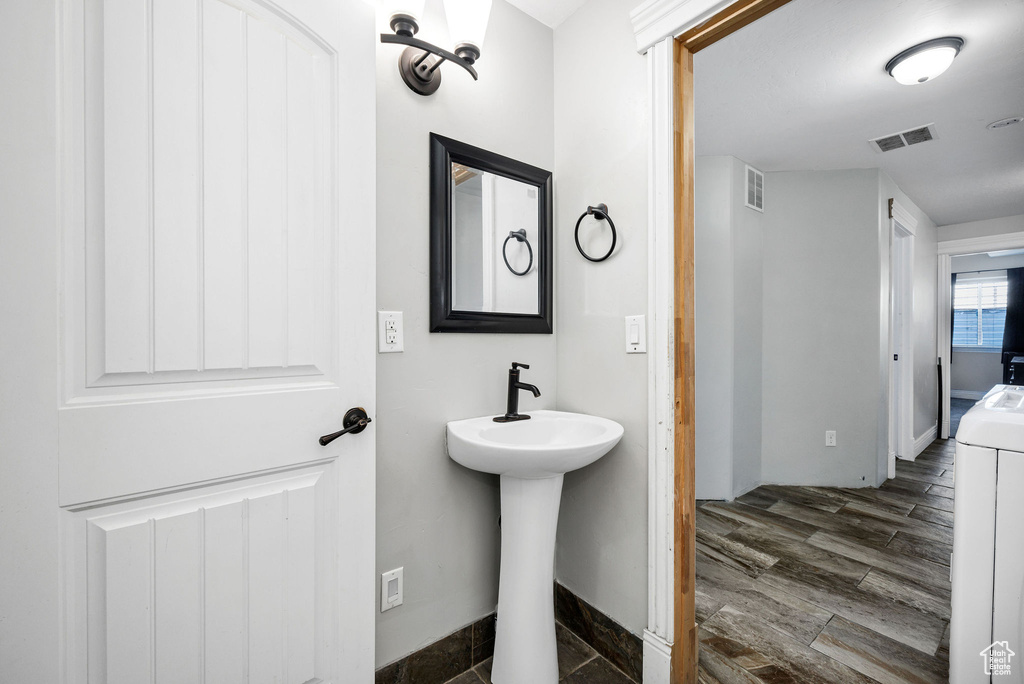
[[997, 421]]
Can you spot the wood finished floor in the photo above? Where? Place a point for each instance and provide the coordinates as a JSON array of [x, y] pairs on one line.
[[814, 584]]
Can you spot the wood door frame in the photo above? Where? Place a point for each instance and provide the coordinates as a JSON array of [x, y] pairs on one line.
[[670, 32]]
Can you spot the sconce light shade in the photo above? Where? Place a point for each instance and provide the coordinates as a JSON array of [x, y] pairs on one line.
[[406, 16], [925, 61], [467, 24], [420, 61]]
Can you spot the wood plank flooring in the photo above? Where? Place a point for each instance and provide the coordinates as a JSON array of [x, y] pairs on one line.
[[814, 584]]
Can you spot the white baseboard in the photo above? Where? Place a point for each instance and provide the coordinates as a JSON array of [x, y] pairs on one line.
[[922, 442], [966, 394], [657, 659]]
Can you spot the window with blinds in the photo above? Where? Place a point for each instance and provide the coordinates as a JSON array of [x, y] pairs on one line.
[[979, 310]]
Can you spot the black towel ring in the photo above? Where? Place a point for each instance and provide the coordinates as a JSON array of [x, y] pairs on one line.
[[601, 212], [520, 236]]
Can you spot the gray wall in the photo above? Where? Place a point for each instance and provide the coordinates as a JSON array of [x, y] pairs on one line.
[[728, 308], [821, 327], [714, 306], [435, 518], [748, 265], [30, 521], [601, 156], [975, 371], [972, 229], [826, 326]]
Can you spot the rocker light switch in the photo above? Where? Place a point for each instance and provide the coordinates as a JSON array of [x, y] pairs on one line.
[[636, 335]]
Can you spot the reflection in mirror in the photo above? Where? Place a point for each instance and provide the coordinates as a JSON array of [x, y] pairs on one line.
[[494, 230], [490, 242]]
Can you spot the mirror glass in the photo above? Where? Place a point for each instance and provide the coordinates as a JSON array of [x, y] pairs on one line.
[[490, 226], [494, 227]]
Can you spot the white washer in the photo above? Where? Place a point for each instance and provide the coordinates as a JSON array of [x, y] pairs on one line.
[[988, 541]]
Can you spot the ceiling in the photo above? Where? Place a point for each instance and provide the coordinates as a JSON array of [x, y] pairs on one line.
[[549, 12], [804, 88]]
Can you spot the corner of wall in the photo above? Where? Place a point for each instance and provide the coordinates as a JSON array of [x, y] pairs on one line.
[[601, 156]]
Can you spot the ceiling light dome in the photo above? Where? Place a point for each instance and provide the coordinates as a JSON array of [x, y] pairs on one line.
[[924, 61]]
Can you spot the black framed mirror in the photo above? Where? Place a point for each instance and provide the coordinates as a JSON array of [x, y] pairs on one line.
[[490, 242]]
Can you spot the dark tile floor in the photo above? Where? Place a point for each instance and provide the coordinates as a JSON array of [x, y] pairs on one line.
[[814, 584], [957, 409], [577, 664]]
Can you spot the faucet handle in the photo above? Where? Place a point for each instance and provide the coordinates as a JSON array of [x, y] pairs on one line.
[[516, 364]]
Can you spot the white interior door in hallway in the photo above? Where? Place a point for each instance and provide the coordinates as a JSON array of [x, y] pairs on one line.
[[216, 291], [901, 335]]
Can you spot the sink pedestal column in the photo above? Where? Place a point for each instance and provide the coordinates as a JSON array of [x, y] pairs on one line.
[[525, 651]]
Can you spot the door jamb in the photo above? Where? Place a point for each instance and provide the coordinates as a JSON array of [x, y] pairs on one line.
[[670, 642]]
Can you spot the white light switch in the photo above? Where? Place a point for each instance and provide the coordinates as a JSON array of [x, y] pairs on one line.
[[390, 337], [636, 335]]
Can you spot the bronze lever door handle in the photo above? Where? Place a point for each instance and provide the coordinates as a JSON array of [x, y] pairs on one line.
[[355, 421]]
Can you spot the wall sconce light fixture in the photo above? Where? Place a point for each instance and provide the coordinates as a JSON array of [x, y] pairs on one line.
[[420, 61], [924, 61]]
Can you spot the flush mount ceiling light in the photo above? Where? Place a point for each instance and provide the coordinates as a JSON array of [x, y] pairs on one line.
[[420, 61], [924, 61]]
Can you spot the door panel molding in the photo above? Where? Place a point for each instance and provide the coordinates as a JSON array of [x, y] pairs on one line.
[[196, 252], [225, 580]]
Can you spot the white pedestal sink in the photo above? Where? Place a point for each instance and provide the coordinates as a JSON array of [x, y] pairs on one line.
[[531, 456]]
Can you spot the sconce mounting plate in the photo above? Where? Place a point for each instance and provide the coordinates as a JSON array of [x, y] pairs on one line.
[[419, 77]]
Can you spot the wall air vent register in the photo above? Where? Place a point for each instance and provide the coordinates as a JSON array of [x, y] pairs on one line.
[[755, 189]]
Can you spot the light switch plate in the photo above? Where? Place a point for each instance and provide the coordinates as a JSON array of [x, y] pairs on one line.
[[390, 332], [391, 590], [636, 335]]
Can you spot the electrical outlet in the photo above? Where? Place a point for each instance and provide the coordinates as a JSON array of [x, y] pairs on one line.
[[391, 589], [830, 438], [390, 334]]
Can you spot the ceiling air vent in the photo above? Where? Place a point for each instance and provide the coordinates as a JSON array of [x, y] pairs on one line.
[[918, 135], [755, 189], [895, 141], [892, 142]]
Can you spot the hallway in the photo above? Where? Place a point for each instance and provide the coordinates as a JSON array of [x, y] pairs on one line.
[[809, 584]]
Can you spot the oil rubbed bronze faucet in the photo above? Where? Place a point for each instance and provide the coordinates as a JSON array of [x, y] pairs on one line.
[[512, 408]]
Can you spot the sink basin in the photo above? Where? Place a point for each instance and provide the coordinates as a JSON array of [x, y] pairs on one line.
[[532, 457], [550, 443]]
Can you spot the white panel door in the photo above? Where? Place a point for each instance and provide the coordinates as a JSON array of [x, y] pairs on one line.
[[218, 301]]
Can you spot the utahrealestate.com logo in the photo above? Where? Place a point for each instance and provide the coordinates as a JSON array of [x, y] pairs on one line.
[[997, 658]]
